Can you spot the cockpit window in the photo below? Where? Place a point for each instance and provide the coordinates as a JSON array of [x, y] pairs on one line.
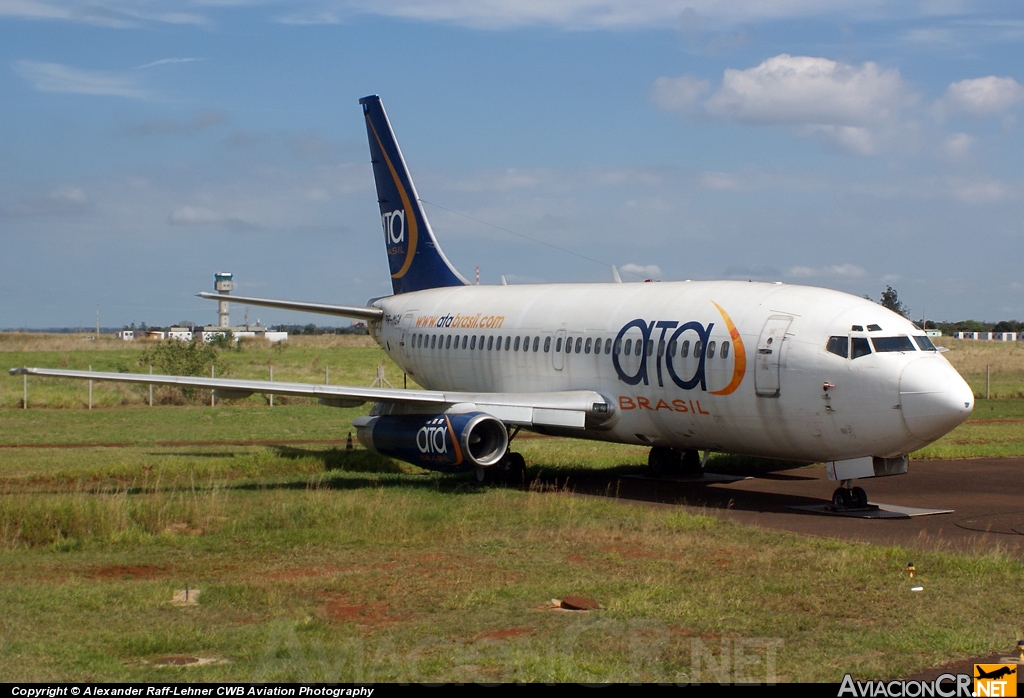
[[860, 347], [924, 343], [901, 343], [874, 328], [840, 346], [856, 328]]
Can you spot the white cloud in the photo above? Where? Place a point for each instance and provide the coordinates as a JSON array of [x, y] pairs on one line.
[[62, 201], [646, 271], [115, 15], [680, 94], [198, 215], [979, 191], [54, 77], [805, 90], [983, 96], [957, 146], [169, 61], [844, 271]]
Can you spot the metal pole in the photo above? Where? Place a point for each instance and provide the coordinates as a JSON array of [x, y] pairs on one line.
[[90, 388], [271, 380], [24, 391], [151, 386], [988, 376], [327, 375], [213, 395]]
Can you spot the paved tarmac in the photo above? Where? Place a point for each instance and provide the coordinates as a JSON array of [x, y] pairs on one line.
[[986, 496]]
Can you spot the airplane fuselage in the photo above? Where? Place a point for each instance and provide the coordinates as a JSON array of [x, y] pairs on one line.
[[737, 367]]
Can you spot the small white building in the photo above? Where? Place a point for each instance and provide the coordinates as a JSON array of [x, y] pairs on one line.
[[182, 334], [126, 335]]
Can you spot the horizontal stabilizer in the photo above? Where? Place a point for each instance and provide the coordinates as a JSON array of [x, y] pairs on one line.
[[357, 311]]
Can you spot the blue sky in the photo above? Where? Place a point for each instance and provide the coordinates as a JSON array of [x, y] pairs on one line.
[[852, 145]]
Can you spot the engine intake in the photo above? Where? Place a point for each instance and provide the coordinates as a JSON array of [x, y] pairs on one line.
[[447, 442]]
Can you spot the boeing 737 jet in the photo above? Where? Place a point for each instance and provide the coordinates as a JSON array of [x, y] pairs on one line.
[[761, 369]]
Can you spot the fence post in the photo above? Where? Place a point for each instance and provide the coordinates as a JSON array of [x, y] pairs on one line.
[[151, 386], [24, 391], [988, 376], [90, 388], [213, 395], [271, 380]]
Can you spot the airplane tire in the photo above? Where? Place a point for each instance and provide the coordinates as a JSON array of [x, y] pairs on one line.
[[515, 468], [842, 499], [860, 497], [690, 464], [662, 461]]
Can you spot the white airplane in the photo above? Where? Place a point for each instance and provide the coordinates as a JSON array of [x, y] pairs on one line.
[[759, 369]]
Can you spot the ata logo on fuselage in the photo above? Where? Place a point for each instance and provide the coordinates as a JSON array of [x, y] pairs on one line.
[[656, 344], [394, 227]]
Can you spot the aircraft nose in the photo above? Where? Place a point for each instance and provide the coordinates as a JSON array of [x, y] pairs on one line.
[[933, 397]]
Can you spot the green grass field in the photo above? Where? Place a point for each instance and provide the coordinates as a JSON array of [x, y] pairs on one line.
[[317, 564]]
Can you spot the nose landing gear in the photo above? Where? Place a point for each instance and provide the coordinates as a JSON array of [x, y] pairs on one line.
[[846, 497]]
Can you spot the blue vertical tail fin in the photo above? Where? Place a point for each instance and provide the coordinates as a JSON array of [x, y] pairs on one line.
[[416, 259]]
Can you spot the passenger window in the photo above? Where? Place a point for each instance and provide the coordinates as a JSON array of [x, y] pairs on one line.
[[465, 338], [629, 346], [586, 348], [526, 344], [860, 347], [696, 348], [472, 343], [547, 344], [925, 343], [840, 346], [638, 347], [481, 343], [672, 346], [711, 350], [579, 344], [661, 348], [558, 345], [568, 345], [888, 344], [515, 345], [536, 343], [433, 340], [725, 350], [448, 342], [618, 346], [490, 343], [650, 347], [497, 345], [608, 346], [684, 351]]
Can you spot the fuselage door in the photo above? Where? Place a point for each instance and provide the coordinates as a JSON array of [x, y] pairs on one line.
[[556, 351], [769, 355]]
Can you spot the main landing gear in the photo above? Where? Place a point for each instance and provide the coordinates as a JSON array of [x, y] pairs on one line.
[[673, 462], [846, 497], [509, 470]]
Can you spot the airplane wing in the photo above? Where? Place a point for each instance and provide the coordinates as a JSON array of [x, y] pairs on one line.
[[569, 408], [359, 311]]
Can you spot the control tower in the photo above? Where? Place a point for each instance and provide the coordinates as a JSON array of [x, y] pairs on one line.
[[223, 285]]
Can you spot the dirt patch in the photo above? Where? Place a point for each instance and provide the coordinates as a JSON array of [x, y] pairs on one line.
[[504, 633], [130, 572], [305, 572], [339, 607]]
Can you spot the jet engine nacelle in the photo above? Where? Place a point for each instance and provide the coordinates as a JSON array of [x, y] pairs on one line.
[[436, 441]]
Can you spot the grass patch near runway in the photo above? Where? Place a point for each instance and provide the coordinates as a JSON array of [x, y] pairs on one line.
[[371, 573]]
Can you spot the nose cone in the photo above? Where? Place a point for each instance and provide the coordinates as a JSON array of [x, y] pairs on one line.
[[933, 397]]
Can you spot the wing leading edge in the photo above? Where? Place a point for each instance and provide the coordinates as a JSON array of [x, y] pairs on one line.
[[570, 408]]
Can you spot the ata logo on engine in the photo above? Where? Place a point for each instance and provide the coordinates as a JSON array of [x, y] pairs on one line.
[[431, 437]]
